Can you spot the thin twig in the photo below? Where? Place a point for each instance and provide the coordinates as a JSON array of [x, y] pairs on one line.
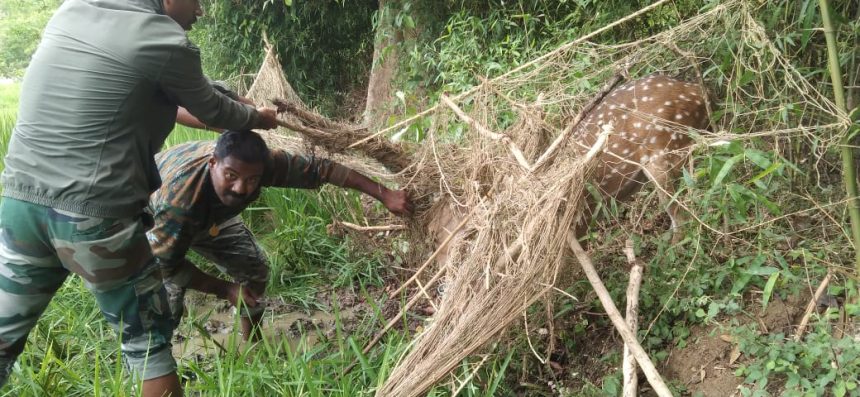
[[517, 69], [573, 125], [811, 307], [382, 228]]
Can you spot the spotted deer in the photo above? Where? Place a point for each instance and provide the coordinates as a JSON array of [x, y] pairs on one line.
[[650, 117]]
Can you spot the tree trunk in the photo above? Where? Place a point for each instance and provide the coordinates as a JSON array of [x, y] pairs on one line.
[[385, 58]]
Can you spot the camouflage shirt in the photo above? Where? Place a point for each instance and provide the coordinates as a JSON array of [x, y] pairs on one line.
[[186, 203]]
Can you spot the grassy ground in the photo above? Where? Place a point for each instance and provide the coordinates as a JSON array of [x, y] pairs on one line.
[[72, 351]]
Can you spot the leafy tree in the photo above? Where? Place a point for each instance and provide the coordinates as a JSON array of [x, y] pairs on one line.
[[23, 22]]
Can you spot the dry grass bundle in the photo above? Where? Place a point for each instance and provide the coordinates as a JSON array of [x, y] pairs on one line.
[[510, 251], [271, 84], [499, 152]]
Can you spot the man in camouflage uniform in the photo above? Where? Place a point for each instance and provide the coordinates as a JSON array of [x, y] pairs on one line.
[[206, 187], [98, 100]]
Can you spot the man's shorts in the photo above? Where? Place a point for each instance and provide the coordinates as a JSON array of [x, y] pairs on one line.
[[40, 246]]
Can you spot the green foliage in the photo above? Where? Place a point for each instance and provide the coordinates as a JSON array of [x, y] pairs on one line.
[[325, 47], [23, 22], [818, 365], [467, 39]]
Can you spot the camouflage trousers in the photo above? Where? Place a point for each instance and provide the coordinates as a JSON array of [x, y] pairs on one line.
[[40, 246], [235, 252]]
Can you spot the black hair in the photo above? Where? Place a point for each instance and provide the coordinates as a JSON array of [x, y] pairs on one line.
[[246, 146]]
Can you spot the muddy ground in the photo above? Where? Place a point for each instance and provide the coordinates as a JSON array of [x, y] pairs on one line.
[[705, 366]]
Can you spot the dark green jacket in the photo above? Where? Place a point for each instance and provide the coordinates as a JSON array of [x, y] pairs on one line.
[[97, 102]]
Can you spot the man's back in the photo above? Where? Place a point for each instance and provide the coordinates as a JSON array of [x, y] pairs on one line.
[[97, 104]]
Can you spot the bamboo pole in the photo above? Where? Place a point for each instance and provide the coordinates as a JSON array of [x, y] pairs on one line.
[[848, 174]]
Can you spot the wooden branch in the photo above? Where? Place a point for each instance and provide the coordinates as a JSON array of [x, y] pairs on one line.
[[631, 378], [638, 352], [565, 134], [811, 307], [518, 154], [388, 154], [384, 228]]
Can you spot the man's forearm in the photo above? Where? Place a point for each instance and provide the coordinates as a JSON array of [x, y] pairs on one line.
[[359, 182], [187, 119]]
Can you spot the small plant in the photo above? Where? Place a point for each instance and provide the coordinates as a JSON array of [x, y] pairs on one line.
[[818, 365]]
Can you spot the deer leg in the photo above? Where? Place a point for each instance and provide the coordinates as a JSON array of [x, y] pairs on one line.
[[662, 175]]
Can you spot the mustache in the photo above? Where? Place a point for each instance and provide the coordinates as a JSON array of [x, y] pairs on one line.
[[236, 196]]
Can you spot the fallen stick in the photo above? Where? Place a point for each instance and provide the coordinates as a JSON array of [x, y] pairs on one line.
[[565, 47], [631, 377], [638, 352], [811, 307], [388, 154], [312, 118], [384, 228]]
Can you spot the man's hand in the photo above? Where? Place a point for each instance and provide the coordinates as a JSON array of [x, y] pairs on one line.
[[234, 291], [398, 202], [268, 118]]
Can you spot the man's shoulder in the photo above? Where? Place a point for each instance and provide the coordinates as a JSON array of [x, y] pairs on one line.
[[183, 170]]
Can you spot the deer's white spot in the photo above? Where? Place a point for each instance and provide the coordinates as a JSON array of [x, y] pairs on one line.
[[660, 110], [615, 146], [643, 159], [623, 117], [679, 117], [653, 139], [637, 124]]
